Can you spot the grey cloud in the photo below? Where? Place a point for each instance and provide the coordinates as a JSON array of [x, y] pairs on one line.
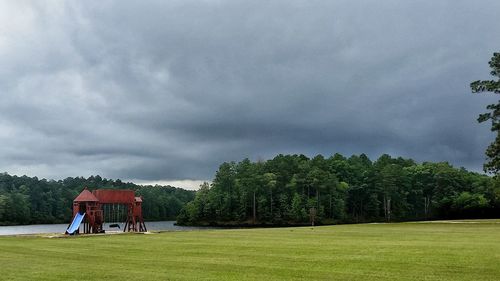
[[168, 90]]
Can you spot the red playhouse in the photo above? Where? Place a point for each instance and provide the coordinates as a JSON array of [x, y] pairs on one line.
[[106, 205]]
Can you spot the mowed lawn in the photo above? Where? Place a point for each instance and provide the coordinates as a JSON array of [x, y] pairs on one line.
[[467, 250]]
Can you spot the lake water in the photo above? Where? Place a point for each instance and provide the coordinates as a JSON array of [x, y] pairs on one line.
[[61, 228]]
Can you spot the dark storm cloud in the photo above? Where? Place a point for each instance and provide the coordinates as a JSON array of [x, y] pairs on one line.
[[168, 90]]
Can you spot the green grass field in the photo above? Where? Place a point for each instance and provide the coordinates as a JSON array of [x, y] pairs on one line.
[[403, 251]]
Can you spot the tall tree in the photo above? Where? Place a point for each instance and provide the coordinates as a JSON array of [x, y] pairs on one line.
[[493, 151]]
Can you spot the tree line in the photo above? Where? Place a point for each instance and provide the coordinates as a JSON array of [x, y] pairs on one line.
[[29, 200], [294, 189]]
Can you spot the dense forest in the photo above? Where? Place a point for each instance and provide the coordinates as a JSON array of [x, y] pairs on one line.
[[293, 189], [27, 200]]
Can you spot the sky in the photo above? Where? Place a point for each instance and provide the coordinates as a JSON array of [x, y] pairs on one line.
[[165, 91]]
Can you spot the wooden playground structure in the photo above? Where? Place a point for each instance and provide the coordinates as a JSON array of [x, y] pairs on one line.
[[93, 209]]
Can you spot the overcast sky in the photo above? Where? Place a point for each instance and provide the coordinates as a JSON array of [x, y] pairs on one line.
[[165, 91]]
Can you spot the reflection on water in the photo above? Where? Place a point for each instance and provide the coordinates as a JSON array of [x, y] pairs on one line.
[[60, 228]]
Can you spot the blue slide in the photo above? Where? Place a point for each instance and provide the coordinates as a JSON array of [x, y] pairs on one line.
[[75, 225]]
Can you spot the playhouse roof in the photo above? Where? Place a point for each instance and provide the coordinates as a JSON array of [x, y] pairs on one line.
[[86, 196]]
